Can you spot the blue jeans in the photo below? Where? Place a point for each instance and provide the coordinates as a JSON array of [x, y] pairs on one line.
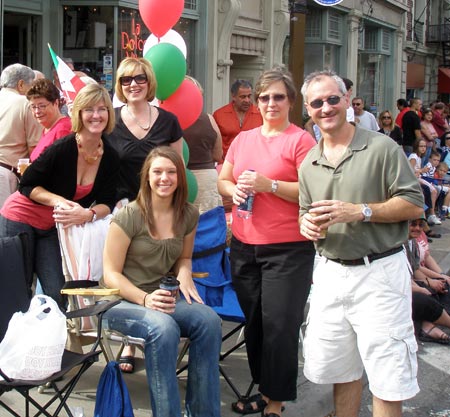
[[45, 255], [162, 333]]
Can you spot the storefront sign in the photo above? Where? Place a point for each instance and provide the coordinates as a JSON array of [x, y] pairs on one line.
[[131, 43], [328, 2]]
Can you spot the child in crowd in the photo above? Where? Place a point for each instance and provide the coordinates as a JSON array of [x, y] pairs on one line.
[[437, 179]]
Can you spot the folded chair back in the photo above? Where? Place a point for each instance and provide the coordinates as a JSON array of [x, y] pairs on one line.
[[82, 258], [210, 255]]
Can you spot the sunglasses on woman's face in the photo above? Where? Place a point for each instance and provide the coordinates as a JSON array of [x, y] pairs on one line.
[[386, 117], [418, 223], [275, 97], [128, 79]]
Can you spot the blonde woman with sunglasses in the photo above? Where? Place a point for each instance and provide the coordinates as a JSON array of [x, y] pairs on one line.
[[388, 127]]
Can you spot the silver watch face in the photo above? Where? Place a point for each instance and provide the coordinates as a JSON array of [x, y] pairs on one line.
[[367, 212]]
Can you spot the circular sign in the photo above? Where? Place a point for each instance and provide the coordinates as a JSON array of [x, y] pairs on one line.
[[328, 2]]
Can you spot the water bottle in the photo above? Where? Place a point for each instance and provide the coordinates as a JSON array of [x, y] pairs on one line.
[[245, 209]]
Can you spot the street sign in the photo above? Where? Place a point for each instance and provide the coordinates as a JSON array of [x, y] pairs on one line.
[[328, 2]]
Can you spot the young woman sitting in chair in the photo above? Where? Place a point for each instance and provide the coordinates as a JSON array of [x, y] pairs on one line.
[[148, 238]]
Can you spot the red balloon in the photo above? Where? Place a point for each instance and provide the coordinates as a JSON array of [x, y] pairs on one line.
[[160, 15], [186, 103]]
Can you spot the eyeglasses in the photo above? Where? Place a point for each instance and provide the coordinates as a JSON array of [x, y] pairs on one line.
[[419, 223], [332, 101], [386, 117], [138, 79], [91, 110], [40, 107], [275, 97], [357, 104]]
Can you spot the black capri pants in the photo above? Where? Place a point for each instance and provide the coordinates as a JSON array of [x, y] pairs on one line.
[[272, 283]]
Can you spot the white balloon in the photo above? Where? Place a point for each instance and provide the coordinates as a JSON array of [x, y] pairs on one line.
[[172, 37]]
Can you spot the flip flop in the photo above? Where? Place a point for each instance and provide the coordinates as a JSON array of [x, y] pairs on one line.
[[127, 360], [250, 405]]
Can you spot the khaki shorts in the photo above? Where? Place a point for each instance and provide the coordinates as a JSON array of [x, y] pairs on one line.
[[360, 318]]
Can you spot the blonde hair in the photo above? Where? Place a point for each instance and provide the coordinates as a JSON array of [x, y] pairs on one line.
[[88, 96], [130, 65]]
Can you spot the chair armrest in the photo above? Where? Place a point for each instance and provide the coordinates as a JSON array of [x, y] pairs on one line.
[[90, 291], [93, 310]]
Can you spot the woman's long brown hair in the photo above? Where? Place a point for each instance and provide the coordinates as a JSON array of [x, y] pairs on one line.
[[144, 197]]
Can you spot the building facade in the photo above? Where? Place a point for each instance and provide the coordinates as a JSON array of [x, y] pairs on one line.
[[389, 48]]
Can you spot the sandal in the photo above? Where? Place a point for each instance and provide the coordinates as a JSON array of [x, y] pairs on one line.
[[250, 405], [127, 360], [443, 339], [430, 233]]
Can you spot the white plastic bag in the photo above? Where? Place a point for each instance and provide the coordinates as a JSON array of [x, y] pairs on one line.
[[34, 343]]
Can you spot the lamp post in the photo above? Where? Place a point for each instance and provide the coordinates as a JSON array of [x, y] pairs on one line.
[[297, 9]]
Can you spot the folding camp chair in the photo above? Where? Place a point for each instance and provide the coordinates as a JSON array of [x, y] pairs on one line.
[[80, 362], [211, 255], [82, 257]]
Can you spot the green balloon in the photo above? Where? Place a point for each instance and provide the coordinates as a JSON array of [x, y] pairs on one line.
[[169, 65], [185, 152], [192, 186]]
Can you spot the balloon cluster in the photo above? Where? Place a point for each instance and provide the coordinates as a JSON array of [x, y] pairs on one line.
[[166, 51]]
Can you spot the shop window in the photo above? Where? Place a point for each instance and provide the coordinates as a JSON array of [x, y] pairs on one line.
[[334, 26], [88, 41], [313, 24]]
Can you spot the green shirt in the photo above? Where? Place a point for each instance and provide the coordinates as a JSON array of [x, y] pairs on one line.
[[148, 259], [373, 169]]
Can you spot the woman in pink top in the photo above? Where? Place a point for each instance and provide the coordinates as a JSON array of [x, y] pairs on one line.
[[271, 261], [428, 132], [44, 99]]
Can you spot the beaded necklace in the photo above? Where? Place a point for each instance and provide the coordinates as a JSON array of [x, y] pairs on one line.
[[90, 159]]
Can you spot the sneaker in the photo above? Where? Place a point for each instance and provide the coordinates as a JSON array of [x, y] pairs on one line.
[[432, 219]]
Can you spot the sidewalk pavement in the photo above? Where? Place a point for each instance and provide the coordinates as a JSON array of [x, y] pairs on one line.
[[313, 400]]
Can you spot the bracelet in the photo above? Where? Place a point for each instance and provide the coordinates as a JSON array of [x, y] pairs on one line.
[[145, 297], [428, 282], [94, 215]]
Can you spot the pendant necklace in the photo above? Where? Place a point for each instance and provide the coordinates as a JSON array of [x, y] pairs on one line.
[[90, 159], [137, 121]]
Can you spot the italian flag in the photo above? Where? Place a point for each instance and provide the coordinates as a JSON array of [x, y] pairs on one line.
[[70, 83]]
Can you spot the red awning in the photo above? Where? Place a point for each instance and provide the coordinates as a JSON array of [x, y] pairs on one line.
[[444, 80]]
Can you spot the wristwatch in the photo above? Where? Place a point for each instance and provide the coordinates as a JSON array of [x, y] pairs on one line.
[[367, 212], [274, 186]]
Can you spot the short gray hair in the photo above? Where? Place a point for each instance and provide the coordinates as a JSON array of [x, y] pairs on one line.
[[12, 74], [318, 76], [238, 84]]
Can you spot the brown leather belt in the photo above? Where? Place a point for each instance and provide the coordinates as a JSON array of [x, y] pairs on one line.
[[372, 257], [10, 168]]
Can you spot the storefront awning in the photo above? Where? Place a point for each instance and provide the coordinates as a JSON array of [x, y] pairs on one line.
[[415, 76], [444, 81]]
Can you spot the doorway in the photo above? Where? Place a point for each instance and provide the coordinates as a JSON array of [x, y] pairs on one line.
[[20, 31]]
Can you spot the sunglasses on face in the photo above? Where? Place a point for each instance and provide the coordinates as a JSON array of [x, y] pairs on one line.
[[128, 79], [275, 97], [332, 101], [356, 104], [419, 223], [386, 117]]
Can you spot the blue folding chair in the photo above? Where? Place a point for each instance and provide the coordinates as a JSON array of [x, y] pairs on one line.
[[211, 256]]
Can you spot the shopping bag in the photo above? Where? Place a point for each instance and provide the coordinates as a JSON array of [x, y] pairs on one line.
[[34, 342], [112, 399]]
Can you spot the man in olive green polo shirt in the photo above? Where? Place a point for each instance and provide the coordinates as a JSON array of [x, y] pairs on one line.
[[358, 186]]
